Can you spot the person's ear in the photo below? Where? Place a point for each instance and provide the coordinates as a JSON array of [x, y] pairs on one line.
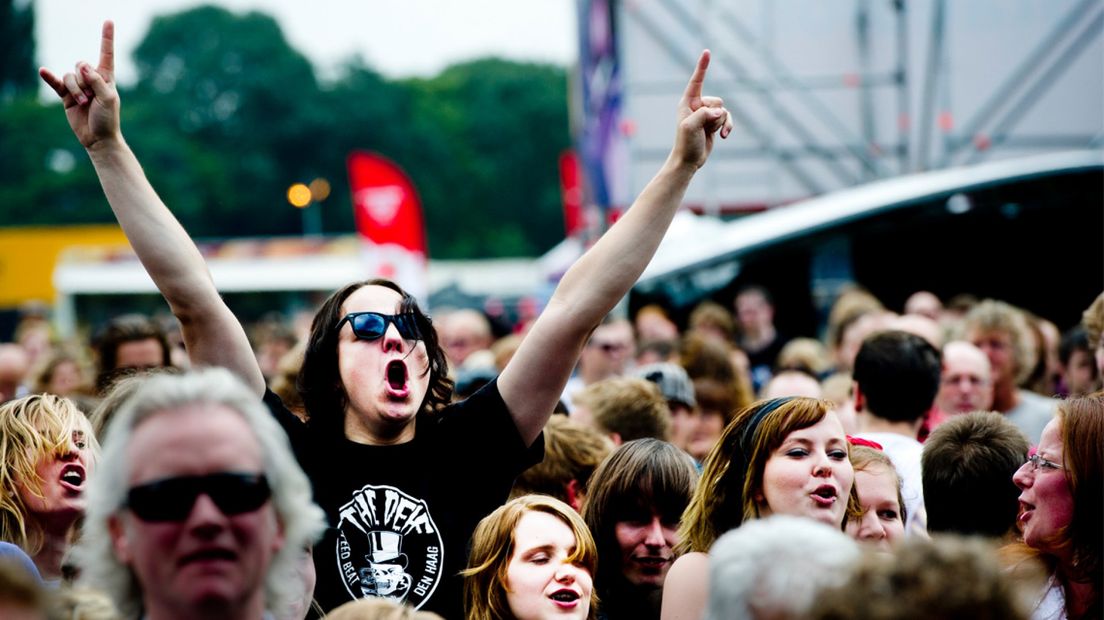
[[616, 439], [279, 537], [857, 396], [119, 542], [575, 496]]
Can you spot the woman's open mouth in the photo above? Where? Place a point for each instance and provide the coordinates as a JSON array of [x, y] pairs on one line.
[[72, 477], [565, 598], [397, 379], [825, 495]]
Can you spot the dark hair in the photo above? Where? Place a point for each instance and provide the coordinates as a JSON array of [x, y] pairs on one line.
[[967, 469], [319, 380], [1076, 339], [118, 331], [638, 479], [898, 374], [756, 289]]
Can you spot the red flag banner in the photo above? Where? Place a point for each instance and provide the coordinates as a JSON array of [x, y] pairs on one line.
[[572, 192], [389, 220]]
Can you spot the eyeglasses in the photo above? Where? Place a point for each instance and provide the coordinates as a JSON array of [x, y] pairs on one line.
[[1038, 461], [609, 347], [172, 499], [373, 325]]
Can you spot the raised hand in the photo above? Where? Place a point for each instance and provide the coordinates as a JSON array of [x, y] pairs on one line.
[[699, 119], [89, 95]]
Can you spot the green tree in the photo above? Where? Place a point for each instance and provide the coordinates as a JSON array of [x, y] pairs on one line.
[[492, 131], [46, 177], [226, 114], [17, 49], [234, 100], [360, 111]]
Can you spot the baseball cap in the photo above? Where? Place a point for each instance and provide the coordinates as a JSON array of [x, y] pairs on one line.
[[672, 380]]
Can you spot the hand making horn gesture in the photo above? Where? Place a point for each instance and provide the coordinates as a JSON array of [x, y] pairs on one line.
[[89, 95]]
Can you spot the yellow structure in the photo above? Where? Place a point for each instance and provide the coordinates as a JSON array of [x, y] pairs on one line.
[[28, 257]]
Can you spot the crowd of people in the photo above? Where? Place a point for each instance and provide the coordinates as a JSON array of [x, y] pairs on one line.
[[947, 461]]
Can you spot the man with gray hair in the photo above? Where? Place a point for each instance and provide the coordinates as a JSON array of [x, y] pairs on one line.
[[198, 508], [775, 568]]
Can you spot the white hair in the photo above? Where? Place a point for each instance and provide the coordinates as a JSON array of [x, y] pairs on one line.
[[775, 567], [302, 520]]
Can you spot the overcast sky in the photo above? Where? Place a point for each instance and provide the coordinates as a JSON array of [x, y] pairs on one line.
[[399, 38]]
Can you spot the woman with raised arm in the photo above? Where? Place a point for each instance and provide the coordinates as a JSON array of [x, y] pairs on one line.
[[374, 380]]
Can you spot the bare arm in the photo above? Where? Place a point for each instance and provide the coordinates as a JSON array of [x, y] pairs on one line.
[[533, 380], [686, 588], [212, 334]]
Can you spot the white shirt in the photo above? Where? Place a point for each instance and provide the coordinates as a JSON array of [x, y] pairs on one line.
[[1051, 604]]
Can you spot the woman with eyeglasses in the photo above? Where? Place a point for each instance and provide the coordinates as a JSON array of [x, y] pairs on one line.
[[48, 452], [403, 476], [1062, 509], [780, 456]]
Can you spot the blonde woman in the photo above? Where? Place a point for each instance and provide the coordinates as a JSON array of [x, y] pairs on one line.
[[882, 522], [531, 558], [48, 452]]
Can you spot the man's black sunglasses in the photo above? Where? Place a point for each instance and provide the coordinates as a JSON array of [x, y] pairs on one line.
[[172, 499], [373, 325]]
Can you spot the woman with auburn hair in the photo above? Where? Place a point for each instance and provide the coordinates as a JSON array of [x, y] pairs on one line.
[[633, 510], [48, 452], [882, 522], [779, 456], [533, 557], [1062, 508]]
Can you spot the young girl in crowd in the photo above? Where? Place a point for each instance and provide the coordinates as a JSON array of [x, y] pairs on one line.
[[531, 558], [780, 456], [882, 522], [633, 509], [48, 452]]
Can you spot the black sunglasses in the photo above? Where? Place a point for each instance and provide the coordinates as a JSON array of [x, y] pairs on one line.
[[172, 499], [373, 325]]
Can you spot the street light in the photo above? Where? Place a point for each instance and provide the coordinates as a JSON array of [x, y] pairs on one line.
[[301, 196]]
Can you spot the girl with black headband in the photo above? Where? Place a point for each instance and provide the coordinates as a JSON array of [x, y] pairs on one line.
[[779, 456]]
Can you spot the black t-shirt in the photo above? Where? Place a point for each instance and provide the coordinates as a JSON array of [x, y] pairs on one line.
[[401, 517], [761, 362]]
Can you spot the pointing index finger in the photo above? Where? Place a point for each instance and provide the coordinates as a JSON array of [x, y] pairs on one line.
[[694, 88], [107, 48]]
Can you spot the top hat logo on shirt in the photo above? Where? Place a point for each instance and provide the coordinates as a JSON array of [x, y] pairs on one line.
[[388, 546]]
